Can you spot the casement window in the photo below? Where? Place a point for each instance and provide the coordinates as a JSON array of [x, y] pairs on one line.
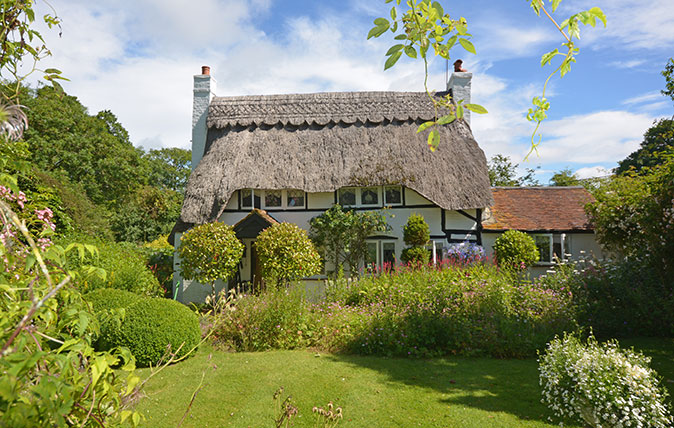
[[272, 199], [544, 245], [380, 252], [393, 195], [250, 199], [371, 196]]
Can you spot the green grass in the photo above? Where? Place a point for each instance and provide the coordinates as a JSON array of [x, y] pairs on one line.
[[373, 391]]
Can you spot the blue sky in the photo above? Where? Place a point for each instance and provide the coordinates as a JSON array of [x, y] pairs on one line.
[[137, 58]]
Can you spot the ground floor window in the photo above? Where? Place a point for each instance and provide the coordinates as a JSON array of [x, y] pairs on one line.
[[551, 246], [380, 253]]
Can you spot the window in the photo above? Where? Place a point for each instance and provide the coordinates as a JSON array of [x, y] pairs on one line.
[[369, 196], [273, 198], [295, 199], [347, 197], [544, 245], [248, 197], [393, 195], [389, 253], [372, 256]]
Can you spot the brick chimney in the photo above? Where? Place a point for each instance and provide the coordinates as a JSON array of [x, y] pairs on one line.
[[459, 85], [204, 91]]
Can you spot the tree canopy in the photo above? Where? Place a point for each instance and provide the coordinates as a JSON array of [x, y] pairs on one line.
[[503, 173], [658, 140]]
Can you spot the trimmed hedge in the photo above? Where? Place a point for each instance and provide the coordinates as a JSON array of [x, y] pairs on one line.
[[150, 326]]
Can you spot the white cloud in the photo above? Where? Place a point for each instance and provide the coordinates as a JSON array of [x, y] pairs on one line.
[[650, 96], [604, 136], [592, 171], [628, 64]]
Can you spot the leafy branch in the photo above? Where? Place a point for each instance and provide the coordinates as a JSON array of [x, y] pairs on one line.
[[424, 25], [570, 29]]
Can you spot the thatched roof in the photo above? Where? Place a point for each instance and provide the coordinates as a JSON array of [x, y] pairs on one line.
[[321, 142]]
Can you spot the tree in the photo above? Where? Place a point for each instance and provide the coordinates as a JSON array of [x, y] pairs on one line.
[[565, 177], [146, 214], [633, 217], [286, 253], [210, 252], [658, 140], [503, 173], [668, 74], [341, 235], [169, 168]]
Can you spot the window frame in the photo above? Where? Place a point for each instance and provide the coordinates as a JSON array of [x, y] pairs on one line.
[[550, 236], [392, 204], [359, 196], [262, 194]]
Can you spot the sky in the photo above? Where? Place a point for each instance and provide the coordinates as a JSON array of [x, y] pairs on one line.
[[137, 58]]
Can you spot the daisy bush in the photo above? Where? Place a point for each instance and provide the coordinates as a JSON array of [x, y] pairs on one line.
[[602, 385]]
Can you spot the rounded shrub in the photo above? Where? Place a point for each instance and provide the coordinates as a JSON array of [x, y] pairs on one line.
[[415, 255], [515, 250], [105, 299], [151, 327], [210, 252], [286, 253], [416, 232]]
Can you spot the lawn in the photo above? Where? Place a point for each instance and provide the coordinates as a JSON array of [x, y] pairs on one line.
[[373, 391]]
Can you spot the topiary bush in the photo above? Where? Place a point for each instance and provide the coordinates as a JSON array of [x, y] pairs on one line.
[[515, 250], [600, 385], [153, 326], [415, 255], [416, 234], [210, 252], [416, 231], [286, 253]]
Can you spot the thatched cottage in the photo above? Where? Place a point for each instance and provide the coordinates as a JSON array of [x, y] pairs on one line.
[[258, 160], [288, 158]]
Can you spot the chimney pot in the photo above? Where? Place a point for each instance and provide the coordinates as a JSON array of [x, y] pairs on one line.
[[206, 70]]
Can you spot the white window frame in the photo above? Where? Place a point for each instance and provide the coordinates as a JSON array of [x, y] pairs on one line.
[[392, 204], [252, 199], [356, 196], [262, 194], [550, 253], [379, 242]]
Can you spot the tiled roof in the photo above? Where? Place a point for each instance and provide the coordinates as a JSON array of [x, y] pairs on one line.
[[538, 209]]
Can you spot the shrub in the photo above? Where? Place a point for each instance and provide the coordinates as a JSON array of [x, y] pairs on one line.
[[602, 385], [276, 319], [151, 327], [210, 252], [415, 256], [286, 253], [515, 250], [623, 298], [105, 299], [125, 264], [465, 253], [416, 232]]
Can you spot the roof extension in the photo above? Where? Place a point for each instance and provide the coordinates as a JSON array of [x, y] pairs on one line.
[[538, 209]]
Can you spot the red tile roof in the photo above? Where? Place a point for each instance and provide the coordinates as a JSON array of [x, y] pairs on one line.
[[538, 209]]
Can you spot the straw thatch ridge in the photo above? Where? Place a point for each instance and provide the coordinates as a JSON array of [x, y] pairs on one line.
[[306, 142]]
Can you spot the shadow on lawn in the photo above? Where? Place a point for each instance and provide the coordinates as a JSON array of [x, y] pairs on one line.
[[509, 386]]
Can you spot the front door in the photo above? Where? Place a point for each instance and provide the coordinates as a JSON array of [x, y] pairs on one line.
[[255, 269]]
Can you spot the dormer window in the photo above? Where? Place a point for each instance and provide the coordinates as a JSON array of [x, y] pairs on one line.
[[273, 198], [248, 197], [295, 199]]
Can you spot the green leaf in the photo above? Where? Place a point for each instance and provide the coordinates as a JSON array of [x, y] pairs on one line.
[[382, 22], [546, 58], [410, 51], [459, 111], [433, 140], [390, 62], [555, 4], [400, 37], [438, 8], [476, 108], [425, 125], [394, 13], [467, 45], [599, 14], [376, 32], [393, 49]]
